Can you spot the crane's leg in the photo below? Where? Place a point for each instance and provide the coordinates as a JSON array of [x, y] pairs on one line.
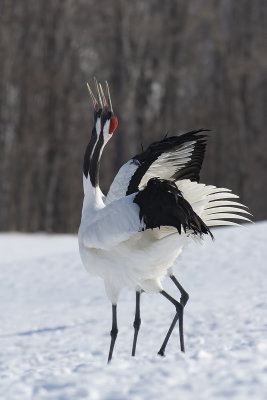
[[184, 295], [179, 315], [114, 331], [137, 321], [183, 300]]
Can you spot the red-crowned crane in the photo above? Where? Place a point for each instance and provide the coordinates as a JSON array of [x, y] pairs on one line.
[[155, 206]]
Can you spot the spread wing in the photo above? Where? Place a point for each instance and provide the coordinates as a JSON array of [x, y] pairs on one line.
[[159, 204], [173, 158]]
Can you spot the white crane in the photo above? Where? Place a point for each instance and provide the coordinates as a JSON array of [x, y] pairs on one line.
[[155, 206]]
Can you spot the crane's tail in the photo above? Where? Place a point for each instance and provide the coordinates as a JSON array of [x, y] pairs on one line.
[[215, 206]]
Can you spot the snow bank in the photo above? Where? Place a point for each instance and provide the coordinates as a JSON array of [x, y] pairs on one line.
[[55, 322]]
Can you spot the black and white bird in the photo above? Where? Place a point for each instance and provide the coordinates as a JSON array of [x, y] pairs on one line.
[[155, 206]]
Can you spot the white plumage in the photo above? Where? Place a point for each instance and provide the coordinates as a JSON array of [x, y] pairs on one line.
[[119, 246], [114, 247]]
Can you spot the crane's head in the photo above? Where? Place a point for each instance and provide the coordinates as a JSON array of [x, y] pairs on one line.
[[105, 122]]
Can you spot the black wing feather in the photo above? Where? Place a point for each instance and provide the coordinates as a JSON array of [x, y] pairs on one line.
[[169, 144], [162, 204]]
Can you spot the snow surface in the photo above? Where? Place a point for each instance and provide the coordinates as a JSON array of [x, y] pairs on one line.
[[55, 323]]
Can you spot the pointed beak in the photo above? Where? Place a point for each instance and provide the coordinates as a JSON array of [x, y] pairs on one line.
[[98, 92], [96, 107], [109, 98], [103, 97]]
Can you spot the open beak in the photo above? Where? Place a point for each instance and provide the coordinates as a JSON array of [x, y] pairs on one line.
[[95, 103], [98, 92], [101, 96], [109, 98]]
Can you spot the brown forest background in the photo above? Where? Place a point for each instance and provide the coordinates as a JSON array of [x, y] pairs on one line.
[[172, 66]]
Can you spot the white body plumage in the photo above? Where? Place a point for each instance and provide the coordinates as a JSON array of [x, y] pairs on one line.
[[114, 247], [154, 208]]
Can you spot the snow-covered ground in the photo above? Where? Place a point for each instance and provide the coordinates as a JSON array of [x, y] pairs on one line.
[[55, 322]]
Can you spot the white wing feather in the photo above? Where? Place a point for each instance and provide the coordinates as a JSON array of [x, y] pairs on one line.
[[112, 225], [121, 181], [164, 167], [169, 162], [210, 203]]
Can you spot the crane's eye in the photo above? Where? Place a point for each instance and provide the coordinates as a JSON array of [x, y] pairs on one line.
[[113, 124]]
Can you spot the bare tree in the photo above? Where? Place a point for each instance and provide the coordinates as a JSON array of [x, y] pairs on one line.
[[172, 66]]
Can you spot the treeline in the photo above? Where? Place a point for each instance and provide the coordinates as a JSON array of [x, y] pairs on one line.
[[172, 66]]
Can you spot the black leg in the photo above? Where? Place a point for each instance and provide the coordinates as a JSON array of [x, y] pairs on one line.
[[179, 315], [164, 344], [137, 321], [184, 295], [183, 300], [114, 331]]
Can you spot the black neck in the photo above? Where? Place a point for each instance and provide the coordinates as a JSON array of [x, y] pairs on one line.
[[88, 153], [92, 158], [95, 161]]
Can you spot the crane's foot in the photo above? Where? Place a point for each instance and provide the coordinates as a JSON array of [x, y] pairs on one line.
[[161, 352]]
